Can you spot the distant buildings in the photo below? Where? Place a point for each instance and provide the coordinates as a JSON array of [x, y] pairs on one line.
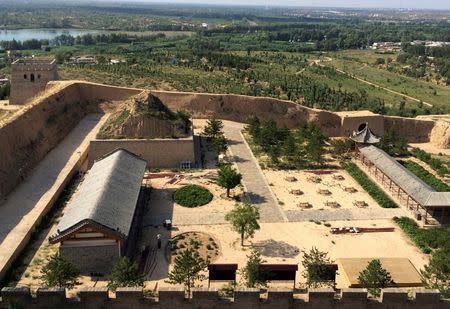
[[389, 47]]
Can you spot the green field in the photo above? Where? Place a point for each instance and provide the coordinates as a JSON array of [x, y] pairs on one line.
[[362, 64]]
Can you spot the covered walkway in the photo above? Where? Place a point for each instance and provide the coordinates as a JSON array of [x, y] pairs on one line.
[[431, 206]]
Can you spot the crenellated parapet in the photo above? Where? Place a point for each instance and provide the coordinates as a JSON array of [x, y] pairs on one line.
[[209, 298]]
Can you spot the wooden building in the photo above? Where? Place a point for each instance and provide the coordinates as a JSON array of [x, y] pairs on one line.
[[101, 220], [430, 206]]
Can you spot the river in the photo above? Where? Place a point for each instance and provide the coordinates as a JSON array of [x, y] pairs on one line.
[[39, 34]]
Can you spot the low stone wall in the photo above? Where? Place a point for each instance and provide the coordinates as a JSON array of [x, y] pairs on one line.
[[208, 298], [159, 153]]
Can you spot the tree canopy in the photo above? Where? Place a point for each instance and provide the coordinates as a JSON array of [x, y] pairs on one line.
[[59, 272], [244, 220], [125, 273], [228, 178], [318, 272], [374, 278], [187, 269], [252, 274]]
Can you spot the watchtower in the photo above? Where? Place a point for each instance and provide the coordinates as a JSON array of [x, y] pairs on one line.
[[29, 77]]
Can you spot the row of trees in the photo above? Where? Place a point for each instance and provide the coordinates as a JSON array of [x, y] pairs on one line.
[[300, 148]]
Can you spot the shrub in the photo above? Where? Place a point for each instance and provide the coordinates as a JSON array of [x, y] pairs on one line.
[[374, 191], [436, 164], [425, 239], [192, 196]]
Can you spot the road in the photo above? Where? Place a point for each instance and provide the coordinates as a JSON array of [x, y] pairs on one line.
[[255, 183]]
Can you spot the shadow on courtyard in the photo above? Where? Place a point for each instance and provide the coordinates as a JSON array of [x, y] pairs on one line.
[[273, 248]]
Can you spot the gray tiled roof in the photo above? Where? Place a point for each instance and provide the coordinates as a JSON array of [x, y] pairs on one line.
[[365, 136], [410, 183], [108, 195]]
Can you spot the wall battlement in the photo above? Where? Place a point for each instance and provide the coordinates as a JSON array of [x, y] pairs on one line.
[[209, 298]]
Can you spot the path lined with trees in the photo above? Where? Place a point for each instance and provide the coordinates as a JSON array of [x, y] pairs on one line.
[[257, 188]]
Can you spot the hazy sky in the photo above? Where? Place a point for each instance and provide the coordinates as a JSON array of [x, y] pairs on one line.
[[430, 4]]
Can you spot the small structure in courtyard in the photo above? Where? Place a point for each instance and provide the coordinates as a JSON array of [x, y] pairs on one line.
[[101, 221], [402, 271], [29, 77]]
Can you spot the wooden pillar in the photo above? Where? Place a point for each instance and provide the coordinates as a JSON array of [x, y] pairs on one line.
[[426, 215], [442, 215], [390, 184], [407, 202]]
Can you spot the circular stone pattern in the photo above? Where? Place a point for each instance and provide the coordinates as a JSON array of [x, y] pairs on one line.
[[192, 196]]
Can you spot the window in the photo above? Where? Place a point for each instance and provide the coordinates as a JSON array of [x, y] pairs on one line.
[[24, 76], [32, 78], [39, 76]]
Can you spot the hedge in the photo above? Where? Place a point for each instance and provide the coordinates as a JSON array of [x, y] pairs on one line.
[[425, 239], [434, 163], [426, 176], [192, 196], [374, 191]]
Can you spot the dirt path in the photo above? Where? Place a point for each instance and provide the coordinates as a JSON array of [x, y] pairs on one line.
[[328, 59], [384, 88]]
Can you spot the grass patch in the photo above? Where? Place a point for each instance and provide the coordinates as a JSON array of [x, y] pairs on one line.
[[426, 176], [369, 186], [426, 239], [192, 196]]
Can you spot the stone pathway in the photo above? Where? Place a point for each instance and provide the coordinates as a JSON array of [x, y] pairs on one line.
[[345, 214], [257, 188], [32, 198]]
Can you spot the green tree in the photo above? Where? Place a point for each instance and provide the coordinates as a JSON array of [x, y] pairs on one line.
[[374, 278], [254, 128], [213, 128], [436, 275], [253, 275], [394, 144], [187, 269], [317, 268], [59, 273], [125, 273], [244, 220], [228, 178], [220, 144]]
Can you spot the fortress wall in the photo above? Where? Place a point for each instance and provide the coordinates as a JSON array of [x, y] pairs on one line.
[[26, 140], [440, 134], [414, 130], [209, 298], [27, 137], [239, 108], [34, 131], [159, 153]]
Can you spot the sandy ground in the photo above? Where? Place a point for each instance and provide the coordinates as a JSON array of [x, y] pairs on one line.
[[282, 188], [161, 198], [285, 242], [429, 147]]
